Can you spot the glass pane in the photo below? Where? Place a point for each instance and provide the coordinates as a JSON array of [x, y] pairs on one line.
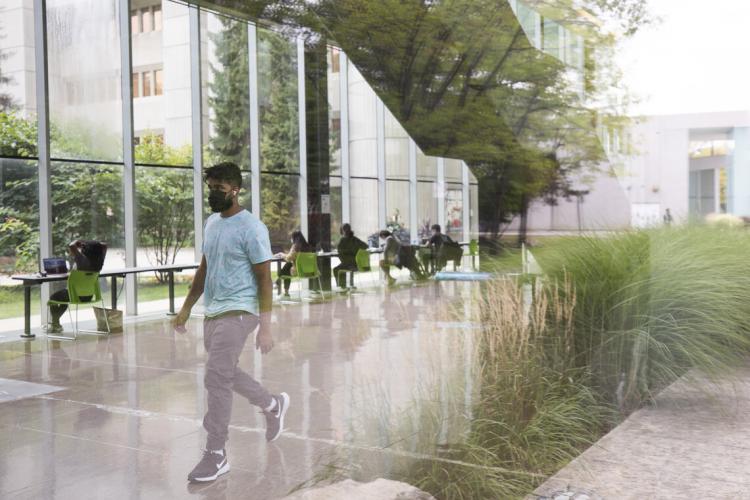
[[454, 207], [551, 38], [278, 99], [397, 208], [427, 208], [157, 18], [19, 216], [362, 126], [279, 207], [147, 89], [454, 170], [426, 166], [135, 22], [334, 111], [164, 204], [87, 204], [17, 64], [17, 134], [474, 213], [396, 148], [227, 104], [84, 79], [336, 215], [168, 114], [364, 209]]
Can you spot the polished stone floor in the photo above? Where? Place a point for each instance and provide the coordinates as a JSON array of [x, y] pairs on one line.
[[378, 374]]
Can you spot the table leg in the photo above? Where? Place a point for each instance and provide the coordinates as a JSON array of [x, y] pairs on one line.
[[278, 279], [114, 292], [170, 275], [27, 313]]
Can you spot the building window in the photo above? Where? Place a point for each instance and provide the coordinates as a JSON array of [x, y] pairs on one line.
[[157, 18], [148, 20], [146, 76], [135, 22], [335, 60], [136, 85], [158, 77]]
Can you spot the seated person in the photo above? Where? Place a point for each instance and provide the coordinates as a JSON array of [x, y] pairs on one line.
[[299, 245], [347, 248], [444, 249], [87, 256], [390, 254]]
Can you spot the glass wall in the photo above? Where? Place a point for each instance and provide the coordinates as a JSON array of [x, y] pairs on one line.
[[364, 212], [427, 208], [454, 207], [279, 207], [362, 126]]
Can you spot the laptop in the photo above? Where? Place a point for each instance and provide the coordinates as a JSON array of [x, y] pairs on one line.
[[54, 265]]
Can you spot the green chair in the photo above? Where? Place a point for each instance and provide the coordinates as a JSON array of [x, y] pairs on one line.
[[362, 259], [473, 252], [306, 268], [81, 284]]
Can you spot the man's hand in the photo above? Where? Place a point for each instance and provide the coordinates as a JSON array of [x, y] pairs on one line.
[[264, 341], [178, 322]]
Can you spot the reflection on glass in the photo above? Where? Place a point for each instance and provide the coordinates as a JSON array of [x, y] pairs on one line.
[[146, 76], [336, 214], [426, 166], [87, 204], [280, 210], [19, 214], [454, 207], [278, 100], [362, 126], [334, 110], [84, 79], [427, 208], [226, 80], [474, 211], [364, 207], [453, 170], [397, 205]]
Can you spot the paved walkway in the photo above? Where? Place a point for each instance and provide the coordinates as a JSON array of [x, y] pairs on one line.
[[693, 443]]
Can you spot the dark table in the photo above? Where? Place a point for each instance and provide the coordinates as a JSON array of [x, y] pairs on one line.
[[30, 280]]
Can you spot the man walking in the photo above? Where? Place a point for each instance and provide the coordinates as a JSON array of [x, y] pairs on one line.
[[235, 278]]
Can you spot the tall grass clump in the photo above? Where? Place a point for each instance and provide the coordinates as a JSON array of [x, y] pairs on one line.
[[652, 304]]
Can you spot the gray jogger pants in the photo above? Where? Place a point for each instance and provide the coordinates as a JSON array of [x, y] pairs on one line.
[[224, 337]]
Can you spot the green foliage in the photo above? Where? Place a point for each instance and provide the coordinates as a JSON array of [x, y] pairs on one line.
[[18, 135], [653, 304]]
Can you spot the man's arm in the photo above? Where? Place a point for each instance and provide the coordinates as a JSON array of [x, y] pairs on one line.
[[196, 290], [262, 272]]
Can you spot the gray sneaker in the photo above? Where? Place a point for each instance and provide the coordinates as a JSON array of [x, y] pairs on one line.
[[211, 466], [275, 417]]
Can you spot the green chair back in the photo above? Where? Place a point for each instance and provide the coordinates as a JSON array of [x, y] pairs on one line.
[[473, 247], [307, 265], [362, 258], [83, 284]]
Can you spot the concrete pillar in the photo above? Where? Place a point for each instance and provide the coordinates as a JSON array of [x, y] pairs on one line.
[[739, 174]]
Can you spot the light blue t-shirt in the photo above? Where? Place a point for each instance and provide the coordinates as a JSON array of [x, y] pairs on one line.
[[231, 246]]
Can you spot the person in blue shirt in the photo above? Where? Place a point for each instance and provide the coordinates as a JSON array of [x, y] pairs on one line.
[[234, 278]]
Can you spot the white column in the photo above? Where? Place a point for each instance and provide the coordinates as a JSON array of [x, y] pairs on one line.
[[128, 170], [196, 105], [466, 203], [43, 147], [380, 153], [413, 220], [739, 188], [252, 45], [346, 213], [302, 135]]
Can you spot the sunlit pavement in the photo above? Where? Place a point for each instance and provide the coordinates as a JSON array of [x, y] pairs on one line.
[[120, 417]]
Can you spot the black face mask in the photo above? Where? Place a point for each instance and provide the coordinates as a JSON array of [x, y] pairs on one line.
[[219, 201]]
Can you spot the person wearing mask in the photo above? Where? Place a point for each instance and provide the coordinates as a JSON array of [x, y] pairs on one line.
[[86, 256], [444, 248], [391, 248], [299, 244], [347, 249], [235, 278]]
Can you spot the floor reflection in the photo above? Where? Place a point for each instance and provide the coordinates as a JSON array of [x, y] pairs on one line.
[[386, 373]]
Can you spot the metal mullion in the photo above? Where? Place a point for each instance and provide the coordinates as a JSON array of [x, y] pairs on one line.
[[128, 173], [466, 203], [441, 191], [196, 109], [252, 45], [346, 212], [301, 113], [43, 143]]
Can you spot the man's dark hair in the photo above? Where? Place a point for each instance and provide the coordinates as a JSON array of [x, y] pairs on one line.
[[435, 227], [226, 171], [385, 234]]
